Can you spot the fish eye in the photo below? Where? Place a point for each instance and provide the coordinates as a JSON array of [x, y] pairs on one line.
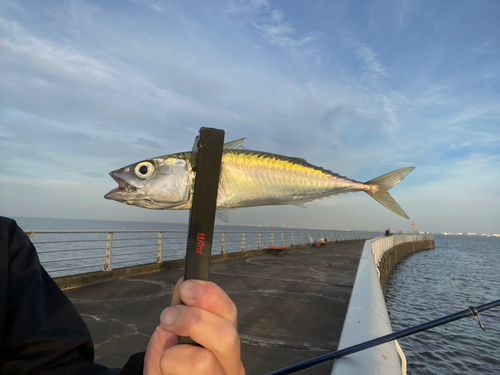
[[144, 169]]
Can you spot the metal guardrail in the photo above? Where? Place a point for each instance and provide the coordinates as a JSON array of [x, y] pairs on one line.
[[66, 252], [381, 245]]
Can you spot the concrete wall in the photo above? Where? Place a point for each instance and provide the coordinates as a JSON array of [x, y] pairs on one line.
[[398, 252]]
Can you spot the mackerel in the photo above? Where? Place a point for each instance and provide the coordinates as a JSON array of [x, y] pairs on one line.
[[248, 178]]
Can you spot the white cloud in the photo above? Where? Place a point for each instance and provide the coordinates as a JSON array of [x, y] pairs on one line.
[[120, 104], [404, 9], [373, 67], [485, 48], [246, 6], [22, 49], [155, 5], [278, 32], [50, 79]]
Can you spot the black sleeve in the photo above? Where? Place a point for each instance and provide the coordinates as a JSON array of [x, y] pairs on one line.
[[40, 330]]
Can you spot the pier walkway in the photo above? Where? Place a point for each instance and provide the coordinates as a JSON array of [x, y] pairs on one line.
[[290, 308]]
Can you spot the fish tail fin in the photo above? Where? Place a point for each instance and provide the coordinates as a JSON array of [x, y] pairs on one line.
[[383, 183]]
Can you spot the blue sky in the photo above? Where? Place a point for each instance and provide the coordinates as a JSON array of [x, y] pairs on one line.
[[357, 87]]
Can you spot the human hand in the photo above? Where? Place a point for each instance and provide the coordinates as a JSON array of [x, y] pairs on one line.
[[210, 318]]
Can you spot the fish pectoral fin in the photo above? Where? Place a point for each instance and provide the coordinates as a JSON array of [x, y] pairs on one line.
[[235, 145], [222, 215]]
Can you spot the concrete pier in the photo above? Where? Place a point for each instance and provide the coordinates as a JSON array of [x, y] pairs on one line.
[[290, 308]]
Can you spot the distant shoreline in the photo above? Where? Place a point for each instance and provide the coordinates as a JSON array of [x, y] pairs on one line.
[[277, 227]]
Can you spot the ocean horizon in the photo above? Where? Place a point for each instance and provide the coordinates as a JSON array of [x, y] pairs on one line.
[[52, 223]]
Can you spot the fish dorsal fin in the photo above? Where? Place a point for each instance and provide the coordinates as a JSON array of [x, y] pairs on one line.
[[235, 145]]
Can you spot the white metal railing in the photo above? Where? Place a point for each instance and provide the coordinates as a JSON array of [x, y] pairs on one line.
[[381, 245], [71, 252]]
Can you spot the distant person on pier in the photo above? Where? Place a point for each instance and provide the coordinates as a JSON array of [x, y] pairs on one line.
[[388, 232], [42, 333]]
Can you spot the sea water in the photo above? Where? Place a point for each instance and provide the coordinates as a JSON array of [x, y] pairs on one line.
[[461, 271]]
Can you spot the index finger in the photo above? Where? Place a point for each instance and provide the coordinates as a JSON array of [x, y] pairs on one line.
[[210, 297]]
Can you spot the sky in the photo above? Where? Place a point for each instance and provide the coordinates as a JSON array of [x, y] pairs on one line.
[[357, 87]]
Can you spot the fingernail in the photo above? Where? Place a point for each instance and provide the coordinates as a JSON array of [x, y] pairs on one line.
[[190, 290], [169, 316]]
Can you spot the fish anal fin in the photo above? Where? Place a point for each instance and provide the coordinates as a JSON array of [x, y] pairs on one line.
[[302, 204], [222, 216]]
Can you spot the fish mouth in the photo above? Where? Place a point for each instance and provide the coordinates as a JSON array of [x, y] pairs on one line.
[[123, 188]]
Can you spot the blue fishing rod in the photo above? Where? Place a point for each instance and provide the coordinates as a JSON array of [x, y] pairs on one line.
[[471, 311]]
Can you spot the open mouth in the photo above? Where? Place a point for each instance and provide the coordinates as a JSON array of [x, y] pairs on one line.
[[122, 188]]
